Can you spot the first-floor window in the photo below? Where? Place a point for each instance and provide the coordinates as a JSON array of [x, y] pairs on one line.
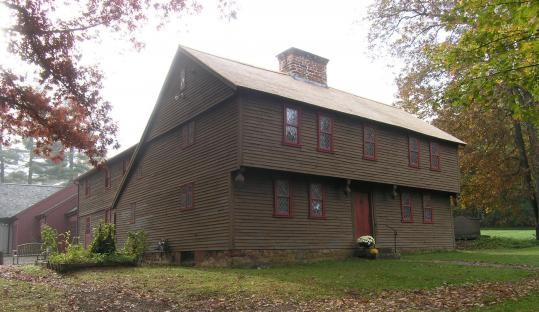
[[281, 207], [186, 197], [406, 207], [316, 201], [427, 209]]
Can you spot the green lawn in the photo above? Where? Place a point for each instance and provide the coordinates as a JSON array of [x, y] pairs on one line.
[[523, 234], [523, 256], [528, 303], [320, 280], [25, 296]]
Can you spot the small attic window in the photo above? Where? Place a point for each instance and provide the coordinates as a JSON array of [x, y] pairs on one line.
[[182, 79]]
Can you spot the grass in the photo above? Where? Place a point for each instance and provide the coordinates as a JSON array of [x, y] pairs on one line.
[[523, 256], [529, 303], [319, 280], [520, 234], [25, 296]]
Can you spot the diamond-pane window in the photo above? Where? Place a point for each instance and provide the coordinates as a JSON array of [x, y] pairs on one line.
[[434, 156], [325, 133], [316, 201], [413, 152], [406, 207], [182, 79], [369, 143], [188, 134], [186, 197], [427, 209], [282, 200], [291, 126]]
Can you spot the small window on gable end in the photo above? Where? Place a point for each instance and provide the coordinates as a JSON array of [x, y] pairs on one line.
[[325, 133], [413, 152], [406, 208], [282, 198], [87, 188], [369, 143], [182, 79], [291, 129], [434, 156], [317, 208], [427, 209], [186, 197], [188, 134], [107, 178]]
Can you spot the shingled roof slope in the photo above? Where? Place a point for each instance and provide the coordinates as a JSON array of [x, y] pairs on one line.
[[17, 197], [281, 84]]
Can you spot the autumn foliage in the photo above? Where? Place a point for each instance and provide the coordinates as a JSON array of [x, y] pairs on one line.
[[49, 93]]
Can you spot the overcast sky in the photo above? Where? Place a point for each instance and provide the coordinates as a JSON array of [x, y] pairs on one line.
[[331, 29]]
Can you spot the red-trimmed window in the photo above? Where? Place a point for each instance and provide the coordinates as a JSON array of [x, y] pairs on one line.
[[291, 128], [317, 207], [186, 197], [188, 134], [434, 156], [283, 198], [107, 178], [325, 133], [87, 188], [413, 152], [88, 228], [132, 213], [427, 209], [369, 143], [407, 215]]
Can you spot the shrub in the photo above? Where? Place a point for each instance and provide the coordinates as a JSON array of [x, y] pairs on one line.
[[75, 253], [103, 242], [49, 237], [135, 244]]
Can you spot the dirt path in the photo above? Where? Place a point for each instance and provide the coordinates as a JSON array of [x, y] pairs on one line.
[[121, 296]]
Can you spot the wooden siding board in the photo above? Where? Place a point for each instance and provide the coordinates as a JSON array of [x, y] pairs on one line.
[[262, 148], [207, 163]]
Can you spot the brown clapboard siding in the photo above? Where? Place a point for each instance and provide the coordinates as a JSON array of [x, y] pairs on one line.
[[262, 147], [256, 228], [167, 166], [203, 90], [416, 235]]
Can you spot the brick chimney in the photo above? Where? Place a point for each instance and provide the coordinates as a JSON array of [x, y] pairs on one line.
[[304, 66]]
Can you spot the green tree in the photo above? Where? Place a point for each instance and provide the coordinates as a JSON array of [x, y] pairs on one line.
[[475, 59]]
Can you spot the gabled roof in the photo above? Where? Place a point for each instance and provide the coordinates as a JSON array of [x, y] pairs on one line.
[[281, 84], [17, 197]]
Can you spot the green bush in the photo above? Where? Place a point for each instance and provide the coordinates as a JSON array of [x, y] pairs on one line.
[[103, 242], [49, 237], [75, 253], [135, 244]]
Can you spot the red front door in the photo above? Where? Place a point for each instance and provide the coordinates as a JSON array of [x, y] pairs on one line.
[[362, 215]]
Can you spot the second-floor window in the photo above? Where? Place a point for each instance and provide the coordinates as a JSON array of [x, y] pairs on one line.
[[369, 143], [291, 131], [282, 200], [188, 134], [186, 197], [406, 208], [325, 133], [413, 152], [434, 156], [316, 201]]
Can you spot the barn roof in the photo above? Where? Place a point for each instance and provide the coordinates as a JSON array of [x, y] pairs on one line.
[[281, 84], [17, 197]]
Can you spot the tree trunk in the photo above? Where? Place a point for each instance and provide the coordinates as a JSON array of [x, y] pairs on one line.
[[526, 171]]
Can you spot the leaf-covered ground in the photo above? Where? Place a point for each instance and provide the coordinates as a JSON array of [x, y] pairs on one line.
[[428, 282]]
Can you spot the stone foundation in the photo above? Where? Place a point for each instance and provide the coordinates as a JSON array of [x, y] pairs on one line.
[[250, 258]]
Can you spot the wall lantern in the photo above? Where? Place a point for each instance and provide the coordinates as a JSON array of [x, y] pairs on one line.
[[347, 189], [394, 193]]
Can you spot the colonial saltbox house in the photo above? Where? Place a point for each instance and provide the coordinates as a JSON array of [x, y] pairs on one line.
[[239, 164]]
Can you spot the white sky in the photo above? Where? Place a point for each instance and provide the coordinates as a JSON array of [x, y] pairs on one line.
[[331, 29]]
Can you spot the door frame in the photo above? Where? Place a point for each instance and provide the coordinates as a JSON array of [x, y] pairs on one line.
[[353, 208]]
